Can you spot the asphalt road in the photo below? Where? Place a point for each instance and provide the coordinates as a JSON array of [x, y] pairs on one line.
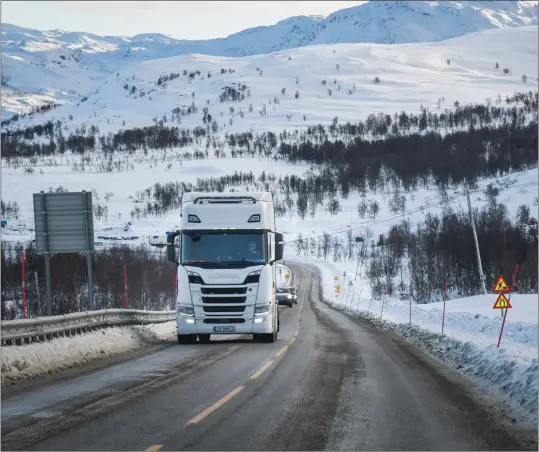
[[330, 382]]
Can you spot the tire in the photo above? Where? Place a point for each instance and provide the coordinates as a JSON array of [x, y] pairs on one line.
[[265, 337], [204, 338], [187, 338], [290, 305]]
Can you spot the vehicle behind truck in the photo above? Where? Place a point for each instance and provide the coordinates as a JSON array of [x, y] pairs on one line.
[[226, 250]]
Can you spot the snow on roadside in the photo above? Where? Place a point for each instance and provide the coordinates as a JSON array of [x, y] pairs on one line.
[[31, 360], [470, 334]]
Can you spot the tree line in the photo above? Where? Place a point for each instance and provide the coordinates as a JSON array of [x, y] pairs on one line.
[[417, 261], [519, 110], [150, 280]]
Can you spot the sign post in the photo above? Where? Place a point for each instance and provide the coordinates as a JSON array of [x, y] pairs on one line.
[[64, 224], [502, 302], [348, 299]]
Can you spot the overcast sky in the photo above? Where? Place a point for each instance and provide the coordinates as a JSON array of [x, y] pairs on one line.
[[182, 19]]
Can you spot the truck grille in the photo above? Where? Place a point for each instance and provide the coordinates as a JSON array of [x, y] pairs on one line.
[[223, 308], [223, 290], [224, 320], [223, 300]]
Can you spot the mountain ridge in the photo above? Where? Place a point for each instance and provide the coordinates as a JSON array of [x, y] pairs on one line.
[[58, 65]]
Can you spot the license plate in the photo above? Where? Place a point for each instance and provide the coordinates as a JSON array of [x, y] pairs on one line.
[[224, 329]]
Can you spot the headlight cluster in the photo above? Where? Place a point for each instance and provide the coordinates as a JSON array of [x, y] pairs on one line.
[[261, 310]]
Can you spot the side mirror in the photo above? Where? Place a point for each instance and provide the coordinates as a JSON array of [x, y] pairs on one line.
[[171, 253], [279, 246], [171, 248]]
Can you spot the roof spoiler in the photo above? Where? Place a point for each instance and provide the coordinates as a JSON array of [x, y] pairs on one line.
[[224, 199]]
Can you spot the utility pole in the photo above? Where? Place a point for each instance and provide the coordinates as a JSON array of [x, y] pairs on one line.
[[480, 267]]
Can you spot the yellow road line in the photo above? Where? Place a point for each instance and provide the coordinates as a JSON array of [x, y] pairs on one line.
[[291, 341], [261, 370], [154, 448], [280, 352], [216, 405]]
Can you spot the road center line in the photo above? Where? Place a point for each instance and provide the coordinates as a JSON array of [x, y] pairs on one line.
[[154, 448], [280, 352], [216, 405], [261, 370]]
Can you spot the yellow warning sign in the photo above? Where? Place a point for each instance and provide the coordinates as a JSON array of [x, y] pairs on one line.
[[502, 302], [336, 278], [501, 285], [287, 276], [337, 289]]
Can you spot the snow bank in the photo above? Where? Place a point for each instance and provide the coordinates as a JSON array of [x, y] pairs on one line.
[[470, 336], [49, 357]]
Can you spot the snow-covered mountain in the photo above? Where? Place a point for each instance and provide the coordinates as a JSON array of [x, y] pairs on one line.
[[306, 86], [60, 65]]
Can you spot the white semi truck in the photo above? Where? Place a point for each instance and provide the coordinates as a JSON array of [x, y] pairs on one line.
[[226, 251]]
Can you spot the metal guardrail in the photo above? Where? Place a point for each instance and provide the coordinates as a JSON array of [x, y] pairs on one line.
[[46, 328]]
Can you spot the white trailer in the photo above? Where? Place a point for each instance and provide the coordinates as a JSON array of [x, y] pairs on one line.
[[226, 251]]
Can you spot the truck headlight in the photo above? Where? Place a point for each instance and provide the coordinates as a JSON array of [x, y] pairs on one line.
[[262, 310], [187, 311], [289, 296]]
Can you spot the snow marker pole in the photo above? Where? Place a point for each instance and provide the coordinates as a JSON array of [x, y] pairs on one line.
[[445, 298], [125, 288], [23, 274], [506, 309]]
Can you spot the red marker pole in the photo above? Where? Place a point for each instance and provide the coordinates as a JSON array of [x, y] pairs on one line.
[[445, 298], [125, 287], [509, 300], [23, 275]]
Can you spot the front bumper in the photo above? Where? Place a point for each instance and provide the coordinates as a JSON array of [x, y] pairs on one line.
[[184, 326]]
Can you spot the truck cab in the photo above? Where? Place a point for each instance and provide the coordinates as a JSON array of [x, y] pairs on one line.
[[226, 250]]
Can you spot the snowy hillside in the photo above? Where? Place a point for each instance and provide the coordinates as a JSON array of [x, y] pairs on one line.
[[307, 86], [461, 69], [70, 64]]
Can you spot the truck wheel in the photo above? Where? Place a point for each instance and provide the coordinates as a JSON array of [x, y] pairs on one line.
[[204, 338], [269, 337], [290, 305], [187, 338]]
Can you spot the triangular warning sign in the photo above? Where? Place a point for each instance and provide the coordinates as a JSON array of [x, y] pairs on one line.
[[502, 302], [501, 285]]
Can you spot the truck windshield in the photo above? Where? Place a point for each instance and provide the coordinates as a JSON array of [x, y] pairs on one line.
[[222, 249]]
